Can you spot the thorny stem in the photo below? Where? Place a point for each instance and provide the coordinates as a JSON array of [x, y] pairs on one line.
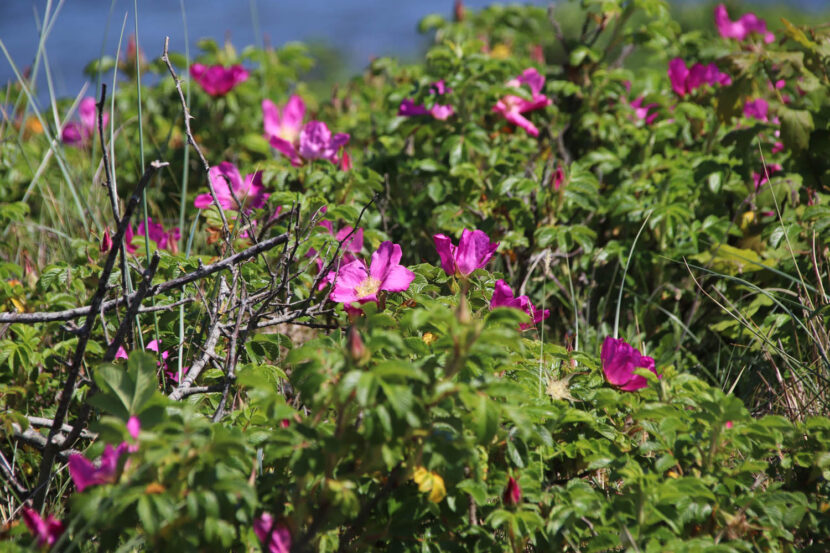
[[192, 142]]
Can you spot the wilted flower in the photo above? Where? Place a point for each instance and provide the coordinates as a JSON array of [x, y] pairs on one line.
[[740, 29], [685, 80], [285, 123], [512, 493], [274, 536], [232, 192], [355, 282], [46, 531], [512, 107], [76, 134], [217, 80], [409, 108], [619, 360], [474, 251], [503, 297]]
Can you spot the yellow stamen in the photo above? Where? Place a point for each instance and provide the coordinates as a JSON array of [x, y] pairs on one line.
[[368, 287]]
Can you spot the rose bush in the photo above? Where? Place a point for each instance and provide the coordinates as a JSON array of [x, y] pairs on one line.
[[461, 366]]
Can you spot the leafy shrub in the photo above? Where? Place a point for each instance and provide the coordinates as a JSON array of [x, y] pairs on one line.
[[662, 187]]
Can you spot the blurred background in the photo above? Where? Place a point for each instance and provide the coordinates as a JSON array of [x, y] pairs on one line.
[[344, 35]]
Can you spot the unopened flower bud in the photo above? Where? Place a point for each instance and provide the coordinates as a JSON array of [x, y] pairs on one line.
[[106, 242], [357, 349], [512, 493], [463, 311], [459, 10]]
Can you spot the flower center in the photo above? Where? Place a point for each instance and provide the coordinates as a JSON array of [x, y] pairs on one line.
[[368, 287]]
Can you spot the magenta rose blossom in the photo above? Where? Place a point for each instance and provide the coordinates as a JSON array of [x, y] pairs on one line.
[[77, 134], [84, 473], [512, 107], [757, 109], [164, 240], [619, 360], [743, 27], [315, 142], [643, 112], [356, 283], [231, 190], [46, 531], [350, 247], [503, 297], [684, 80], [761, 178], [172, 375], [285, 123], [275, 537], [409, 108], [217, 80], [474, 251]]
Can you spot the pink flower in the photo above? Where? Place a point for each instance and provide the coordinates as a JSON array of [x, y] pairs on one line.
[[352, 246], [512, 493], [757, 109], [503, 297], [274, 536], [172, 375], [134, 427], [474, 251], [512, 107], [106, 241], [740, 29], [153, 346], [77, 134], [409, 108], [619, 360], [642, 112], [356, 283], [729, 425], [232, 192], [761, 178], [285, 124], [217, 80], [84, 473], [46, 531], [345, 162], [315, 142], [163, 240], [558, 177], [685, 80]]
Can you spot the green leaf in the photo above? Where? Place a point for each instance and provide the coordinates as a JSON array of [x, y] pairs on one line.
[[796, 126]]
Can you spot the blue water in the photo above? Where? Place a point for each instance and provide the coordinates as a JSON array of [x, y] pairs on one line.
[[358, 29]]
